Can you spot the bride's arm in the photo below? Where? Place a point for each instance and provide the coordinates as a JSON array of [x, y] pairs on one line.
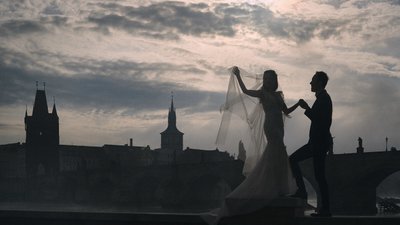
[[252, 93], [287, 110]]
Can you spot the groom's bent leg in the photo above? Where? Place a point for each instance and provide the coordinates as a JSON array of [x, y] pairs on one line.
[[299, 155]]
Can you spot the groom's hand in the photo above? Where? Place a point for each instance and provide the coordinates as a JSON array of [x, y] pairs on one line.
[[303, 104]]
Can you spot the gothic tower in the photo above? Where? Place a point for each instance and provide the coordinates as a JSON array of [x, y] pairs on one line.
[[172, 138], [42, 138]]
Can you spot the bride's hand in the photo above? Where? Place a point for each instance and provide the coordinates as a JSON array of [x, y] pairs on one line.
[[236, 71]]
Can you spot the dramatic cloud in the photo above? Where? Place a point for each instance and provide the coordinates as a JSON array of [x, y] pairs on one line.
[[107, 85], [164, 20], [168, 20], [300, 30], [19, 27]]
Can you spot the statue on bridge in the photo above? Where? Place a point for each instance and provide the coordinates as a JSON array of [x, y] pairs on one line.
[[360, 148]]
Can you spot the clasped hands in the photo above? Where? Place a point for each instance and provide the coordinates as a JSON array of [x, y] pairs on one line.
[[303, 104]]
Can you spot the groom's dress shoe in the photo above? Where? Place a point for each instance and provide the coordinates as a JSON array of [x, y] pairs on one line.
[[323, 213]]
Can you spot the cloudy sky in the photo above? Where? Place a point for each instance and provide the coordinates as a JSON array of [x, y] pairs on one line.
[[111, 66]]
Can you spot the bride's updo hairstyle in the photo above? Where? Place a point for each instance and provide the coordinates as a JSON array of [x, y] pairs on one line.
[[272, 78]]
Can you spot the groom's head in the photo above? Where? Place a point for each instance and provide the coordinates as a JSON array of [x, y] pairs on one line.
[[319, 81]]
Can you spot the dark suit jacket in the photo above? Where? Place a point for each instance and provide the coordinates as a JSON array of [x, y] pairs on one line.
[[320, 115]]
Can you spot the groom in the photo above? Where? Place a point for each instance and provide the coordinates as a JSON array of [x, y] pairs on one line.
[[319, 143]]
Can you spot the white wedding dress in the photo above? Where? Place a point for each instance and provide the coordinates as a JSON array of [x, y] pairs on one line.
[[269, 174]]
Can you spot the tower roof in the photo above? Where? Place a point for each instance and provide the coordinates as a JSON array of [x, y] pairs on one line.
[[40, 105], [172, 102], [172, 119], [172, 114], [54, 112]]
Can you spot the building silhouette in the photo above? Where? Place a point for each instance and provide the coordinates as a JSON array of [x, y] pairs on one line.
[[42, 138], [43, 170], [172, 138]]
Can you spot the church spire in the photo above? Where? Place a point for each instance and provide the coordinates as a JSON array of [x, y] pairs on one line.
[[172, 114], [172, 138], [172, 101]]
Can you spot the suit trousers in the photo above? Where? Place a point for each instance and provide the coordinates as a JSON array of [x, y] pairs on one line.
[[318, 154]]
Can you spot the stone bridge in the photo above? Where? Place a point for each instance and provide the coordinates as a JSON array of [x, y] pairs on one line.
[[353, 179], [183, 185]]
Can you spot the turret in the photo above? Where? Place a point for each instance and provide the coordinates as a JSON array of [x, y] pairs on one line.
[[54, 112]]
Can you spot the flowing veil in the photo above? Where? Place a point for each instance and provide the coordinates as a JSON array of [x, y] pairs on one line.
[[251, 114], [266, 167]]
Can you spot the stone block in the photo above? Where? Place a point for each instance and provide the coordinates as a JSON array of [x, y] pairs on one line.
[[278, 211]]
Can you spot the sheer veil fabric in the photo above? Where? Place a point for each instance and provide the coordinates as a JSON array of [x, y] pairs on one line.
[[250, 112], [267, 169]]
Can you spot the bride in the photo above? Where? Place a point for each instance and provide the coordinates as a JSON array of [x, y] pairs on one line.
[[271, 177]]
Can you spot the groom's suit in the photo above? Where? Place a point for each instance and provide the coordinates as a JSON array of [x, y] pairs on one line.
[[318, 145]]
